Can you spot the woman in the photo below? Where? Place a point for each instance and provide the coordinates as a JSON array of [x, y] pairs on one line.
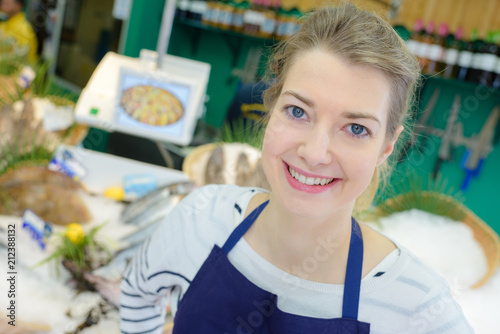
[[18, 28], [242, 260]]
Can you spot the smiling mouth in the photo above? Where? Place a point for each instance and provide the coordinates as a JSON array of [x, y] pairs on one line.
[[311, 181]]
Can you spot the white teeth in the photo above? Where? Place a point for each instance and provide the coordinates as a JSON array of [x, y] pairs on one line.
[[308, 180]]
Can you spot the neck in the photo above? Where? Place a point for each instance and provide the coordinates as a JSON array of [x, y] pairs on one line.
[[307, 247]]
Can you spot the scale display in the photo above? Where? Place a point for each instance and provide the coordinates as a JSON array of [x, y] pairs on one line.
[[130, 96], [152, 105]]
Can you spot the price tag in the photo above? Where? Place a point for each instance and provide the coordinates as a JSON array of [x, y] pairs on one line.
[[38, 229]]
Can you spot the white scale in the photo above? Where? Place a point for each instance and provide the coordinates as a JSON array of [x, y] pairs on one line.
[[100, 104]]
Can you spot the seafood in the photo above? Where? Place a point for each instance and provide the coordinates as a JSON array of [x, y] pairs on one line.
[[51, 195], [138, 212], [36, 174], [214, 172]]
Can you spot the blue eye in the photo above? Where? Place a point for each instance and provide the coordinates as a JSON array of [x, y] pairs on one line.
[[295, 112], [357, 130]]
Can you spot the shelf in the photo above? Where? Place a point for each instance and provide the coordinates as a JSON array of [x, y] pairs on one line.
[[233, 39], [203, 26]]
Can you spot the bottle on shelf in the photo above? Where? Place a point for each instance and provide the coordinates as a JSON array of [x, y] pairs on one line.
[[436, 50], [225, 20], [197, 10], [285, 23], [465, 58], [268, 25], [427, 39], [496, 81], [414, 43], [451, 53], [216, 13], [207, 15], [251, 20], [183, 9], [474, 71], [238, 12], [489, 60]]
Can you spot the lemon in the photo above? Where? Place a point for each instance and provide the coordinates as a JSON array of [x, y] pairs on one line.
[[75, 233], [116, 193]]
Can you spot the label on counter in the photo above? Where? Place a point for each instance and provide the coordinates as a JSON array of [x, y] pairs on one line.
[[65, 162], [137, 186], [38, 229], [26, 77]]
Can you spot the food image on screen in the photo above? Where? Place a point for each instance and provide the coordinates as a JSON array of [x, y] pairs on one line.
[[152, 105]]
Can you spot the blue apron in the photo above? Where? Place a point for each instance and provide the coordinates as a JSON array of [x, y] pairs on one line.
[[221, 300]]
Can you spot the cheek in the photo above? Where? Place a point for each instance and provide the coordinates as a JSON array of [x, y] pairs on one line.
[[361, 163], [278, 137], [275, 130]]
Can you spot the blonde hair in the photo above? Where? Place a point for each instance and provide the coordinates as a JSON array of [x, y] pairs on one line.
[[358, 37]]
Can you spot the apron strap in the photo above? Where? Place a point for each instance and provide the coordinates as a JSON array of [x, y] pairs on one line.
[[352, 284], [242, 228]]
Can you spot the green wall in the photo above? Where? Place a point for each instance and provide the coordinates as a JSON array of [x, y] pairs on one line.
[[483, 194]]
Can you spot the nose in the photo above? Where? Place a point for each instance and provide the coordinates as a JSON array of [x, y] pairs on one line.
[[315, 148]]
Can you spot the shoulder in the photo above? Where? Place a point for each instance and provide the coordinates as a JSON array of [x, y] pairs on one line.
[[436, 309], [411, 276], [212, 201], [206, 213], [22, 23], [416, 298], [187, 234], [422, 271]]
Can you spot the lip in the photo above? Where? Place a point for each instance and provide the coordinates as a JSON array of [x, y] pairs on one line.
[[305, 187]]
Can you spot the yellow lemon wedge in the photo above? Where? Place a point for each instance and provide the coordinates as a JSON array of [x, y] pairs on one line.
[[74, 232], [116, 193]]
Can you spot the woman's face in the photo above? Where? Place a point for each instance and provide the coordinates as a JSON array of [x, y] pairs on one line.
[[326, 134]]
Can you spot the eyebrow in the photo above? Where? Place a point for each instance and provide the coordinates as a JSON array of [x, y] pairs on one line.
[[357, 115], [308, 102]]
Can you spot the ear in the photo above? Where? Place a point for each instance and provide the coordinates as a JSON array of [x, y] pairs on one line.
[[389, 146]]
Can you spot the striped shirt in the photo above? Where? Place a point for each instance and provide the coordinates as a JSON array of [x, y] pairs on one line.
[[400, 295]]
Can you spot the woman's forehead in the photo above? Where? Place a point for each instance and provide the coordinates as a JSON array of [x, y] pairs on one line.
[[326, 80]]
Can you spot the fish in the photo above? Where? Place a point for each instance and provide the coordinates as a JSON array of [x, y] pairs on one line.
[[37, 174], [214, 170], [137, 212], [51, 195]]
